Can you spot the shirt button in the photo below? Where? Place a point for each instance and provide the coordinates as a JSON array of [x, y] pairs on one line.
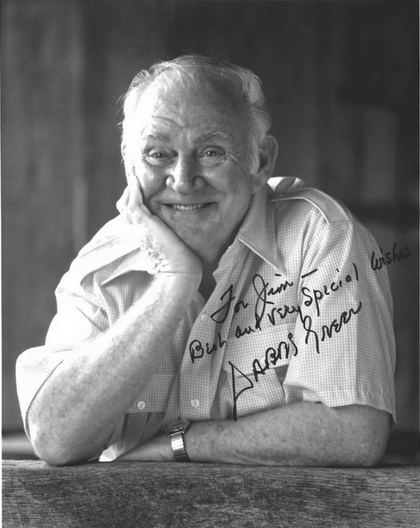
[[195, 403], [204, 317], [141, 405]]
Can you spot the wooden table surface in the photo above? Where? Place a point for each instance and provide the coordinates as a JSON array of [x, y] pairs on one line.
[[136, 494]]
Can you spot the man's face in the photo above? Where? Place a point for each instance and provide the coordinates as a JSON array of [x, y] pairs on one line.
[[193, 163]]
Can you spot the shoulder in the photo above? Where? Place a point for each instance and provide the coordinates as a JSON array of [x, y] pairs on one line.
[[308, 223], [102, 256], [290, 196], [110, 231]]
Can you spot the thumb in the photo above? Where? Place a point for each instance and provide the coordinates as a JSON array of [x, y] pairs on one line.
[[123, 201]]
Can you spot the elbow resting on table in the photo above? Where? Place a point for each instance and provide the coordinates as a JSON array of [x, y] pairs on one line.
[[56, 453], [370, 456], [367, 437], [59, 449]]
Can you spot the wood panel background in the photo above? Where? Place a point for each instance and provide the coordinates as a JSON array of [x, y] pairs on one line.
[[43, 172], [341, 82]]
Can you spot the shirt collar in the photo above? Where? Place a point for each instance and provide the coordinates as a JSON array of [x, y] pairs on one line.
[[119, 252], [258, 231]]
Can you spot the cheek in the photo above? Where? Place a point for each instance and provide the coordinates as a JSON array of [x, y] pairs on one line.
[[240, 196], [238, 186], [229, 177], [151, 182]]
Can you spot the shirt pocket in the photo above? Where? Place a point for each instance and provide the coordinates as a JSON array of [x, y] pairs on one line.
[[256, 365], [154, 398]]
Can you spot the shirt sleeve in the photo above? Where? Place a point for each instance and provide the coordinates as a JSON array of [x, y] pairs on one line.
[[78, 320], [82, 313], [344, 331]]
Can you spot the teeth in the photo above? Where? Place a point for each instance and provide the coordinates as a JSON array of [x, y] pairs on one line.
[[190, 207]]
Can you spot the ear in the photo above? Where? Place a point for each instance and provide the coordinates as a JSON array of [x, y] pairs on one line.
[[267, 156]]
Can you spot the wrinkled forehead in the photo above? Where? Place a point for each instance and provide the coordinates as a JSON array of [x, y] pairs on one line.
[[192, 100]]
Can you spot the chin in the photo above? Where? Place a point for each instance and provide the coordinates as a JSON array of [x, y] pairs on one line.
[[194, 243], [203, 246]]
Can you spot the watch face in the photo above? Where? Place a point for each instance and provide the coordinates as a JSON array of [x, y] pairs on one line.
[[177, 427]]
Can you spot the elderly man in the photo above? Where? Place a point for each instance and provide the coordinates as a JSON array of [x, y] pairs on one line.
[[224, 315]]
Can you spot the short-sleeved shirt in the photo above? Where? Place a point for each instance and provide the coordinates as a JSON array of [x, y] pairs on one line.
[[297, 314]]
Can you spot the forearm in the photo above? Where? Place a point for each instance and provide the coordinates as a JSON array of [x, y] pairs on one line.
[[74, 413], [300, 434]]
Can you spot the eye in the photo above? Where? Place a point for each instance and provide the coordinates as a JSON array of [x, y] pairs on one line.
[[158, 157], [213, 152], [213, 155]]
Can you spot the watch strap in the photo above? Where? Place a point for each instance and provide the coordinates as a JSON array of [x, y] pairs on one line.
[[178, 446], [175, 432]]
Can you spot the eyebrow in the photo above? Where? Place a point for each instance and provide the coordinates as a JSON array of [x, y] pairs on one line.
[[158, 136], [213, 135], [216, 134]]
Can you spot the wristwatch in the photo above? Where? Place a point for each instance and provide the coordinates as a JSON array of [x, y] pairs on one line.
[[175, 431]]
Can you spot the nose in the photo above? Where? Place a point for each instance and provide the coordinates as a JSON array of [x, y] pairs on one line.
[[184, 176]]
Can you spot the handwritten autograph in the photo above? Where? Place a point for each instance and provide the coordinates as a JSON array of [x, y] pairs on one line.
[[267, 310], [274, 355], [377, 262]]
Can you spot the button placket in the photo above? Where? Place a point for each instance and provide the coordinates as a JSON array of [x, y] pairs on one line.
[[197, 391]]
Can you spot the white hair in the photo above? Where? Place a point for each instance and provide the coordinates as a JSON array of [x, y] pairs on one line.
[[242, 84]]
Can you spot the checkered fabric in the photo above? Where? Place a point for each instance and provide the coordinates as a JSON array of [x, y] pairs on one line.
[[297, 314]]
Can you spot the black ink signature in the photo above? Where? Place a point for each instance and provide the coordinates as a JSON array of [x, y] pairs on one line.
[[273, 355], [220, 315], [236, 395], [328, 330], [197, 349], [377, 262], [265, 309], [316, 295], [261, 288], [282, 312]]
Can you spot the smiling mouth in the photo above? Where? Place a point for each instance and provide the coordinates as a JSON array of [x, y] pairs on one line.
[[188, 207]]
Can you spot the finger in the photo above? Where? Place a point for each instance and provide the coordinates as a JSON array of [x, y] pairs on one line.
[[123, 201], [136, 202], [135, 196], [133, 187], [131, 176], [129, 207]]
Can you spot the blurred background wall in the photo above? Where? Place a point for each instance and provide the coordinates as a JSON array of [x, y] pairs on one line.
[[341, 83]]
